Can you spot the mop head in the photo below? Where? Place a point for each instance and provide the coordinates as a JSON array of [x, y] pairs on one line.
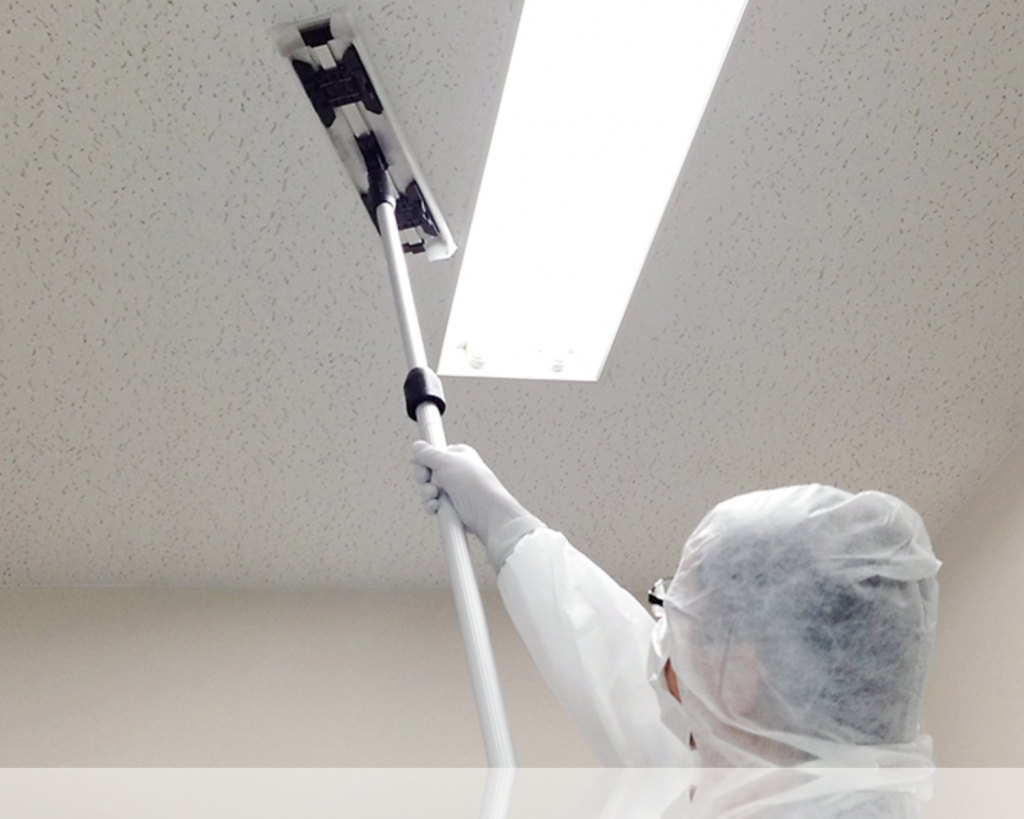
[[340, 83]]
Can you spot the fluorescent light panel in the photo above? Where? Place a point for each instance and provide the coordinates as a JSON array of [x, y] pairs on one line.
[[600, 106]]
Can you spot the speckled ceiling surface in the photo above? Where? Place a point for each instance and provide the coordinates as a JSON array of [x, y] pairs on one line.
[[199, 366]]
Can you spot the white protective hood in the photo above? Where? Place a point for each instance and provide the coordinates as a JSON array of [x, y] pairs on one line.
[[800, 624]]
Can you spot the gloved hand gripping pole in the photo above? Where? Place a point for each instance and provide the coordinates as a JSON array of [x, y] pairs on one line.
[[425, 404]]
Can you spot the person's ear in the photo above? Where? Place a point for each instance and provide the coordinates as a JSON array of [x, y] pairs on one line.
[[671, 680]]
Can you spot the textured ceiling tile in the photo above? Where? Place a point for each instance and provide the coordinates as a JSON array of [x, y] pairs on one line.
[[200, 368]]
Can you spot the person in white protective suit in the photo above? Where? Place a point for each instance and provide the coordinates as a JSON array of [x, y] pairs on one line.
[[797, 631]]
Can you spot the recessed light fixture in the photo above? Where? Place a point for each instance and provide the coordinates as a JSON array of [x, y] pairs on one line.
[[600, 105]]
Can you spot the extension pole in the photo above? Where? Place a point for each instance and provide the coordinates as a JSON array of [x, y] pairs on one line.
[[497, 740]]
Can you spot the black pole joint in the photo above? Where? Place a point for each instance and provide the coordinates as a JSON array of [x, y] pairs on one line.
[[381, 189], [422, 385]]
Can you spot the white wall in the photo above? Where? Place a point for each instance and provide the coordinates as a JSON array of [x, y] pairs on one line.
[[216, 677], [975, 702], [322, 678]]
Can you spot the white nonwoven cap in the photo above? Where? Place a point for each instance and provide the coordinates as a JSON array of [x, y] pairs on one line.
[[800, 625]]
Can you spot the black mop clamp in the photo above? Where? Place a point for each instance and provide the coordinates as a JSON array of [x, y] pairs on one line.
[[411, 211]]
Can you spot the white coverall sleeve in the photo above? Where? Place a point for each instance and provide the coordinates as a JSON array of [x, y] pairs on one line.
[[590, 638]]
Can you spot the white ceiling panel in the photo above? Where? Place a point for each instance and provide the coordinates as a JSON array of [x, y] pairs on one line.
[[199, 364]]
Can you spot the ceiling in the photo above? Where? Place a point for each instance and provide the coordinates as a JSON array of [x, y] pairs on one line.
[[200, 368]]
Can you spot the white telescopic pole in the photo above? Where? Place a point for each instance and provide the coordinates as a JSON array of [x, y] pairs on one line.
[[498, 794], [497, 740]]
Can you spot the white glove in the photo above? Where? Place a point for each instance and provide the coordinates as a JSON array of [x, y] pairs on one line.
[[484, 506]]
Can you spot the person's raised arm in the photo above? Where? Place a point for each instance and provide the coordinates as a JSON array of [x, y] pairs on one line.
[[588, 636]]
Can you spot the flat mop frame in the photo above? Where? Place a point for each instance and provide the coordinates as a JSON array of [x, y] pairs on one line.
[[340, 83]]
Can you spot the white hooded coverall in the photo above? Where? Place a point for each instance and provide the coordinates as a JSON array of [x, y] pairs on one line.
[[591, 640]]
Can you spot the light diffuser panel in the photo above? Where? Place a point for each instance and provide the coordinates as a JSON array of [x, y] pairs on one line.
[[599, 108]]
